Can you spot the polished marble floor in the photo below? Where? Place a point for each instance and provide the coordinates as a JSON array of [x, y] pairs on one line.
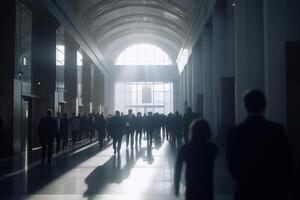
[[140, 173]]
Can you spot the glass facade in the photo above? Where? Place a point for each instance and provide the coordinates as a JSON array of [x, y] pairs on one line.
[[143, 54], [144, 97], [60, 65]]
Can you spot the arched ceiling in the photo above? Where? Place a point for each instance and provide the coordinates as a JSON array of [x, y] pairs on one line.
[[115, 24]]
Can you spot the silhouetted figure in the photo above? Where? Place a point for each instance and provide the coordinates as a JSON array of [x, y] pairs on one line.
[[59, 133], [47, 131], [150, 127], [65, 130], [100, 127], [188, 117], [129, 128], [116, 127], [91, 127], [138, 124], [258, 155], [177, 127], [199, 155], [75, 125]]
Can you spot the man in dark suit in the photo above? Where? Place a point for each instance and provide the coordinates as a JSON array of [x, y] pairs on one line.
[[65, 130], [117, 128], [59, 132], [258, 154], [47, 131]]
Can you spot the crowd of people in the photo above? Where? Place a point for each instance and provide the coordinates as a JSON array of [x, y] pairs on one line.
[[258, 155], [173, 127]]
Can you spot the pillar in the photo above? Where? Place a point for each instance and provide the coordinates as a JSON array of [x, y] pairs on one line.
[[98, 90], [219, 64], [87, 84], [71, 79], [190, 81], [44, 60], [10, 93], [249, 50], [208, 76]]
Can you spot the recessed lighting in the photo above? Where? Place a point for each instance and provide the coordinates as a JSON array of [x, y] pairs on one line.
[[233, 4], [39, 83]]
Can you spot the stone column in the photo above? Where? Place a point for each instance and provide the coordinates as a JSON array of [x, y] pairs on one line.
[[44, 60], [198, 76], [176, 95], [10, 97], [71, 83], [98, 89], [219, 61], [208, 76], [249, 50], [274, 35], [86, 84], [190, 81]]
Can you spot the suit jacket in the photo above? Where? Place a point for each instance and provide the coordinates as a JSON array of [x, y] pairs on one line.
[[116, 127], [47, 128], [259, 160]]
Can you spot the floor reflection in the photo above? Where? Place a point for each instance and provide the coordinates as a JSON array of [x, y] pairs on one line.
[[140, 173]]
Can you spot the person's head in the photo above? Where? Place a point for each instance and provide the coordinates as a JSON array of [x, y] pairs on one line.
[[65, 115], [254, 101], [200, 130], [49, 113], [117, 113], [130, 111], [189, 110], [73, 114], [176, 113]]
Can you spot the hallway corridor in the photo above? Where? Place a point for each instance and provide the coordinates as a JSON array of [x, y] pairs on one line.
[[86, 173]]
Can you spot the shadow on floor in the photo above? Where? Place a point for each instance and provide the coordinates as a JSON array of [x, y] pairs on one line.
[[41, 175], [112, 172]]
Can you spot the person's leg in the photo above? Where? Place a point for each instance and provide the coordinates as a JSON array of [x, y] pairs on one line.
[[151, 138], [127, 139], [44, 149], [73, 138], [114, 144], [65, 140], [136, 136], [58, 140], [132, 138], [50, 149], [119, 144]]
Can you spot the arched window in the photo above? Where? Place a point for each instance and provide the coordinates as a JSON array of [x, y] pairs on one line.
[[143, 54]]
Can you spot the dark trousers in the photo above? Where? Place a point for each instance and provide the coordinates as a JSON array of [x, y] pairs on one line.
[[117, 141], [74, 137], [138, 136], [65, 140], [58, 141], [150, 134], [130, 134], [47, 148], [100, 138]]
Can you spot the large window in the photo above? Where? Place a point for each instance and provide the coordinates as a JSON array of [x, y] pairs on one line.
[[144, 97], [60, 65], [143, 54]]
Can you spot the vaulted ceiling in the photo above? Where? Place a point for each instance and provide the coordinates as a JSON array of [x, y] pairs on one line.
[[116, 24]]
